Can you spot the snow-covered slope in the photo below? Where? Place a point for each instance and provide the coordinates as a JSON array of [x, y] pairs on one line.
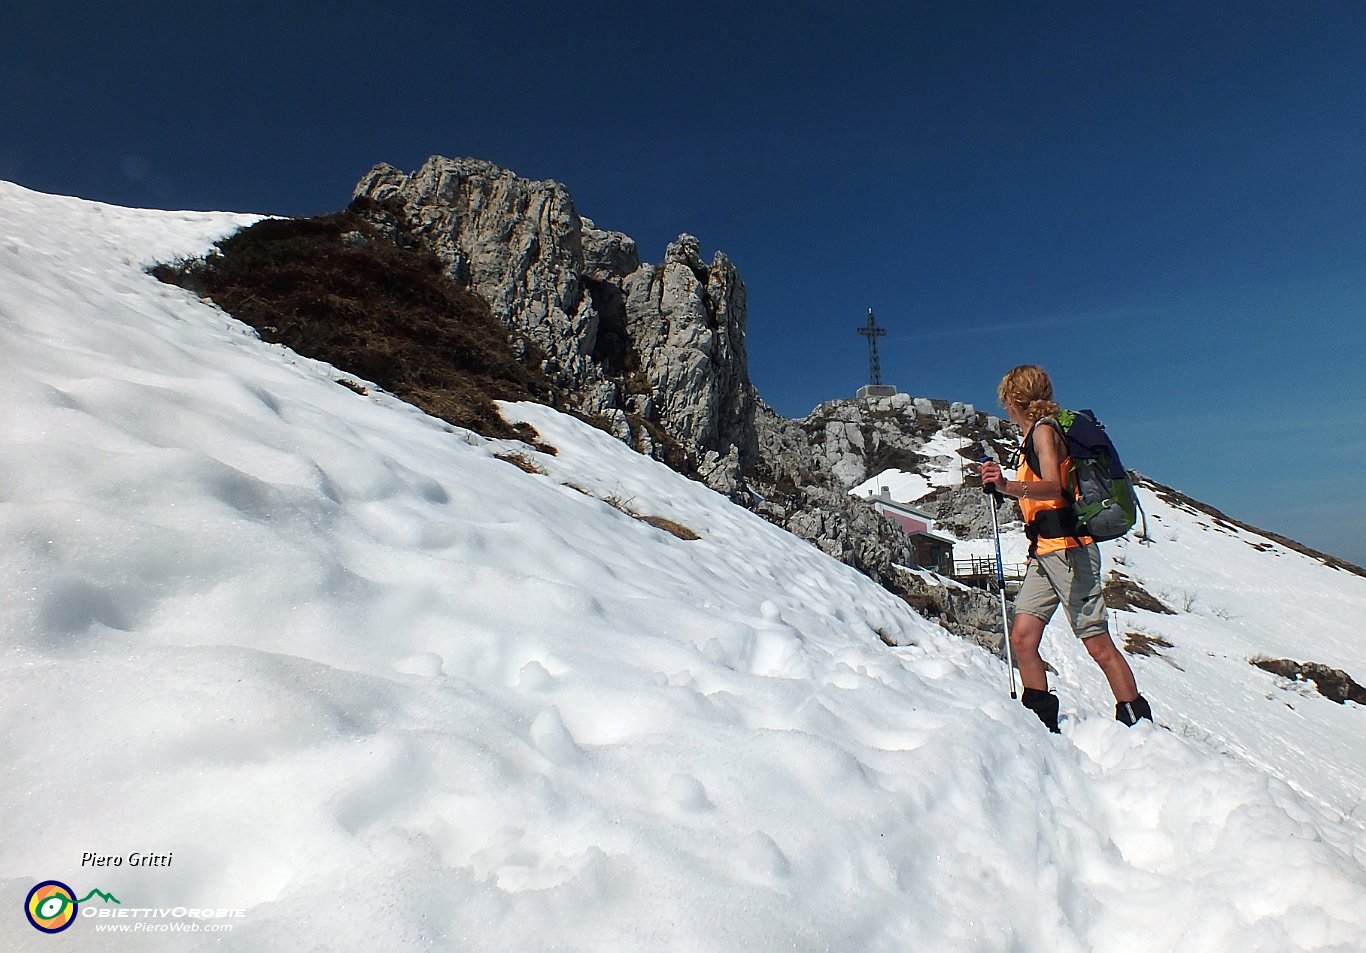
[[1233, 596], [378, 689]]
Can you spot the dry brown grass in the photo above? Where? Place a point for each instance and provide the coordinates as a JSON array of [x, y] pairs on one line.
[[668, 525], [521, 461], [372, 302], [1121, 592], [354, 386], [658, 522], [1143, 643]]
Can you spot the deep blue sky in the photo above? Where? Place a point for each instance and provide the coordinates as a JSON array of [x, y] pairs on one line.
[[1163, 203]]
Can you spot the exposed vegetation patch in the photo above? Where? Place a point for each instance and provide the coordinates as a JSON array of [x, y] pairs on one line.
[[1121, 592], [1144, 643], [521, 461], [668, 525], [1332, 683], [624, 506], [355, 291], [658, 522]]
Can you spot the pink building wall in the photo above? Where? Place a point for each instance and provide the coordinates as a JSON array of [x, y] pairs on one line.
[[909, 523]]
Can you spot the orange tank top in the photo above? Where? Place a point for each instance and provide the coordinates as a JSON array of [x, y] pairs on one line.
[[1032, 508]]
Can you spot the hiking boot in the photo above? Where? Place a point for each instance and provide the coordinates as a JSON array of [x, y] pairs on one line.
[[1043, 704], [1131, 712]]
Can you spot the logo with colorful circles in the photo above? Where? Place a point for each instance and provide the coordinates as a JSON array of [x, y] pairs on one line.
[[51, 906]]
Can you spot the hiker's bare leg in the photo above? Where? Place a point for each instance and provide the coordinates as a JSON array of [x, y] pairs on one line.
[[1115, 666], [1026, 632]]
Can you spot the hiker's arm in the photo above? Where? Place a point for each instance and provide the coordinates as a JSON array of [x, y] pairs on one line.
[[1049, 448]]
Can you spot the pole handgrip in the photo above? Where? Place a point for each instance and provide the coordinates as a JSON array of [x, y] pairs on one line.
[[989, 488]]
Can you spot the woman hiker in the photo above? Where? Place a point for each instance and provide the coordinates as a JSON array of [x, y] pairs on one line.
[[1062, 571]]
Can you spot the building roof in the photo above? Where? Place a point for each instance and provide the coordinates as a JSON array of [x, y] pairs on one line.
[[906, 508]]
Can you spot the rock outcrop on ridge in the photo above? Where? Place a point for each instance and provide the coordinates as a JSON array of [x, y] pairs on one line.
[[657, 350]]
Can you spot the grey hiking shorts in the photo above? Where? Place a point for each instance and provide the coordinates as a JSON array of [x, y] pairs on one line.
[[1070, 578]]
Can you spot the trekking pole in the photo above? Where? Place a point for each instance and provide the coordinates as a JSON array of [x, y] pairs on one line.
[[990, 490]]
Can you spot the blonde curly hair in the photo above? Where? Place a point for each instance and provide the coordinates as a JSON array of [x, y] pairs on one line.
[[1029, 388]]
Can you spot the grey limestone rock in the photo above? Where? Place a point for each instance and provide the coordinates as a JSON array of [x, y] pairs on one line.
[[687, 321], [965, 511], [605, 321], [516, 243], [607, 254], [859, 439]]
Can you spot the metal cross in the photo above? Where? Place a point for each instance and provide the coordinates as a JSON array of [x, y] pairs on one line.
[[872, 332]]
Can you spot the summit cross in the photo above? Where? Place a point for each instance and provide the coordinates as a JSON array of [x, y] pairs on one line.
[[872, 332]]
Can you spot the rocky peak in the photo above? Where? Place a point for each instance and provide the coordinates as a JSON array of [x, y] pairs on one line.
[[650, 348], [517, 243]]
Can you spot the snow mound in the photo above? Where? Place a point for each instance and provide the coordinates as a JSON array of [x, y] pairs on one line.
[[380, 689]]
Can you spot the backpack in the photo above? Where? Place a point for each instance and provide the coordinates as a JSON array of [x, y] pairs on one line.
[[1104, 505]]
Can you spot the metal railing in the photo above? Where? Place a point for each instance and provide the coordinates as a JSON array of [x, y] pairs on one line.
[[981, 571]]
